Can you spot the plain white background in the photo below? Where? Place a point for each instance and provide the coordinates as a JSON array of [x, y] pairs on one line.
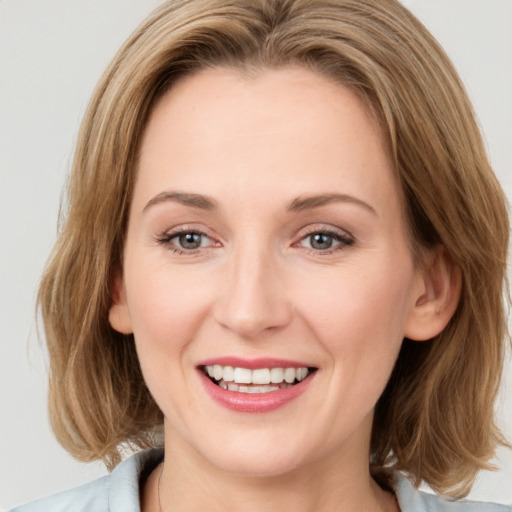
[[52, 53]]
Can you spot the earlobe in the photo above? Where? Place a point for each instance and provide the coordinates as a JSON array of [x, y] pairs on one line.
[[436, 296], [119, 314]]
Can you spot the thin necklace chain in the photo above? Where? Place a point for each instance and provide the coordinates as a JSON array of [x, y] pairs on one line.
[[160, 478], [158, 485]]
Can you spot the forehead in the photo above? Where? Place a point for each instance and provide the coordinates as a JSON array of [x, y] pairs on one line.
[[286, 129]]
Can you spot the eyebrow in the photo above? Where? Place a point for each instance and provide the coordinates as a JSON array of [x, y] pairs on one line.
[[195, 200], [309, 202], [296, 205]]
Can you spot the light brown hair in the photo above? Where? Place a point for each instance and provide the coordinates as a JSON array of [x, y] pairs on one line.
[[435, 419]]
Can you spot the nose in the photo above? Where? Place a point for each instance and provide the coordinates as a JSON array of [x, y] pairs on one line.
[[253, 299]]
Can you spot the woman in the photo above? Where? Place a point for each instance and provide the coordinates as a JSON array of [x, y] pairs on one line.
[[285, 245]]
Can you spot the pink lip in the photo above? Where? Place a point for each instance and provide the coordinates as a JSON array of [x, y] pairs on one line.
[[252, 364], [254, 402]]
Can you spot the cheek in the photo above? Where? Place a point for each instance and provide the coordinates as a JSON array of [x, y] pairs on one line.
[[359, 315], [166, 307]]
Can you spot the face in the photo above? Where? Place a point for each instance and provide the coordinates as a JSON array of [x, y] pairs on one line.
[[266, 247]]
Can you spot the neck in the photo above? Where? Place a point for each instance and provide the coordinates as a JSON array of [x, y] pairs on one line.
[[337, 482]]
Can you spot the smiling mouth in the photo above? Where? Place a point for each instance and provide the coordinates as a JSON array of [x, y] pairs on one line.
[[259, 380]]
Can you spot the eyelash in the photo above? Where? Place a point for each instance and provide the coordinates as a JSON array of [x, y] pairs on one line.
[[344, 240], [165, 240]]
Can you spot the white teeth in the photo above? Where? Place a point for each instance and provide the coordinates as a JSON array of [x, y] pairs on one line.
[[228, 374], [289, 375], [242, 376], [218, 372], [259, 376], [276, 375], [231, 386]]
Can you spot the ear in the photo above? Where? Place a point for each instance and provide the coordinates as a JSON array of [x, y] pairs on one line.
[[119, 314], [435, 297]]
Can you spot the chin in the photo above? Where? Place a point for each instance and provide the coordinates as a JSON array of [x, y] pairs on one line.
[[255, 456], [263, 465]]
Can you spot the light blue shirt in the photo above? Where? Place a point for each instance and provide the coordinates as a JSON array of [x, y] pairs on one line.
[[119, 492]]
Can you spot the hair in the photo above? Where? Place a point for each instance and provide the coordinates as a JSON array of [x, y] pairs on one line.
[[435, 419]]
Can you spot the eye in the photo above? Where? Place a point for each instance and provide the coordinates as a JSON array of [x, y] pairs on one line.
[[325, 241], [190, 240], [183, 241], [320, 241]]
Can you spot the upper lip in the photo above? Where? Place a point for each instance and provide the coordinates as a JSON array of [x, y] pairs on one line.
[[253, 364]]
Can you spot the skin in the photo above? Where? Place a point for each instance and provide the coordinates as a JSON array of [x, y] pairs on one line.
[[259, 287]]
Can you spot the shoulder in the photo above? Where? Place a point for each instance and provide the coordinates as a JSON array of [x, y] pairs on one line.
[[91, 496], [117, 492], [412, 500]]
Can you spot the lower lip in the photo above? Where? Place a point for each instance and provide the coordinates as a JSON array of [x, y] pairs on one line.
[[254, 402]]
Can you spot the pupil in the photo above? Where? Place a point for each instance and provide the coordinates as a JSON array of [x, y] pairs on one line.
[[190, 240], [321, 241]]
